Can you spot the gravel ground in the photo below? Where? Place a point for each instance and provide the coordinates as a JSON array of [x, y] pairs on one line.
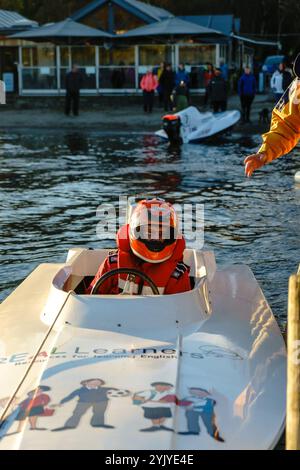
[[112, 118]]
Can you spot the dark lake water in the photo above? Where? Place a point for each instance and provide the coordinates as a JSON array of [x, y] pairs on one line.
[[51, 184]]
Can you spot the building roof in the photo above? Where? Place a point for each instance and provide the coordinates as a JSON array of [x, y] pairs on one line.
[[172, 27], [11, 21], [144, 11], [63, 29], [156, 12], [224, 23]]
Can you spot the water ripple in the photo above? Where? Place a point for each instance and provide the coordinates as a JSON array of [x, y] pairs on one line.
[[52, 183]]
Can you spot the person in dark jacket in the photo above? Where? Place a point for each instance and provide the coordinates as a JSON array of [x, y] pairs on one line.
[[217, 92], [166, 82], [73, 86], [208, 75], [247, 92], [287, 76]]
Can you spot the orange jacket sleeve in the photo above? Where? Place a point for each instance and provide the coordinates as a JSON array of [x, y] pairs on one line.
[[285, 128]]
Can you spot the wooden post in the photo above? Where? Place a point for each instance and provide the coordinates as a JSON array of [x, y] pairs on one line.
[[293, 378]]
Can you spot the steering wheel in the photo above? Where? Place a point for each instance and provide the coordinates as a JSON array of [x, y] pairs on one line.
[[130, 272]]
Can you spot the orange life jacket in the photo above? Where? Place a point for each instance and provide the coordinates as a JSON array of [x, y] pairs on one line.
[[170, 277]]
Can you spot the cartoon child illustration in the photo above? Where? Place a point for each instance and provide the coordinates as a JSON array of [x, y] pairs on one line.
[[33, 407], [200, 405], [156, 404], [92, 394]]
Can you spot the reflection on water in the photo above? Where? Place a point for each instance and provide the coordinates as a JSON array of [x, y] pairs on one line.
[[51, 185]]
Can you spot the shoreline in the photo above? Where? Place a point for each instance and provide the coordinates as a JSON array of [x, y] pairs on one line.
[[114, 118]]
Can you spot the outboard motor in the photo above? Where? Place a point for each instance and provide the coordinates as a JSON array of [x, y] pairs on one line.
[[171, 126]]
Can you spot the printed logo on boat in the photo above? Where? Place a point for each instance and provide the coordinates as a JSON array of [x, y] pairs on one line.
[[219, 352], [206, 351]]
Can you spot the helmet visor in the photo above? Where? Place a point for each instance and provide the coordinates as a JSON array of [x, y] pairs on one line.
[[155, 237]]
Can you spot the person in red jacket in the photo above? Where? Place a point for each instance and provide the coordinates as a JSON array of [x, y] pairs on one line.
[[150, 243]]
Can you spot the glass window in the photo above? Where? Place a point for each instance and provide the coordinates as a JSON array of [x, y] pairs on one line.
[[197, 54], [65, 56], [43, 78], [125, 21], [224, 52], [154, 54], [117, 56], [122, 20], [88, 77], [98, 19], [194, 57], [117, 77], [117, 67], [83, 56], [38, 56]]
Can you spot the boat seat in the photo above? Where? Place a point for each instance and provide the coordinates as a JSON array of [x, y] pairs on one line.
[[82, 265], [85, 282]]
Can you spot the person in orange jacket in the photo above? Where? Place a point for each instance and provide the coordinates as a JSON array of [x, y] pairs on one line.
[[285, 128], [150, 243]]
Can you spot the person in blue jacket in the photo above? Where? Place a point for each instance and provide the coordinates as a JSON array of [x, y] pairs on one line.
[[182, 76], [247, 91]]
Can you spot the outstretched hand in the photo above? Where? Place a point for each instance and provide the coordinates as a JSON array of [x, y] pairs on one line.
[[254, 162]]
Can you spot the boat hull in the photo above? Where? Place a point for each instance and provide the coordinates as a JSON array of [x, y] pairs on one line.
[[197, 127], [220, 386]]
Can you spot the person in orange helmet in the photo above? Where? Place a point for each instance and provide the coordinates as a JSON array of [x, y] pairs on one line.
[[152, 244], [285, 128]]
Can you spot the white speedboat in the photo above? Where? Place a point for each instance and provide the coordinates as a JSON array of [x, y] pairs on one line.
[[192, 126], [204, 369]]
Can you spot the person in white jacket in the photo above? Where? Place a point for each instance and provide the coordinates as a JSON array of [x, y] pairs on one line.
[[277, 84]]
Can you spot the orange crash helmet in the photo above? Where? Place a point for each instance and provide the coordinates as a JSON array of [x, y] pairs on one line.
[[153, 230]]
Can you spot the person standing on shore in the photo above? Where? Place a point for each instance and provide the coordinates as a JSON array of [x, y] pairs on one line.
[[167, 81], [277, 84], [281, 80], [247, 91], [149, 84], [180, 97], [208, 75], [224, 69], [183, 76], [287, 75], [217, 92], [73, 86], [158, 72], [285, 128]]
